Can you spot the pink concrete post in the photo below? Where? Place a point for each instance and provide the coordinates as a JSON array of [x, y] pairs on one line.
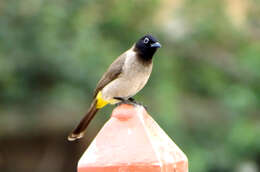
[[131, 141]]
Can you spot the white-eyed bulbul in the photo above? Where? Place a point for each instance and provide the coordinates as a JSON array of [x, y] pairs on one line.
[[125, 77]]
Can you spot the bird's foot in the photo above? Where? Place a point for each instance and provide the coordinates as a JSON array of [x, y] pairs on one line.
[[130, 101], [123, 100]]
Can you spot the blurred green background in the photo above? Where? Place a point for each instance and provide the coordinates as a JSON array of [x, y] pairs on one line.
[[204, 90]]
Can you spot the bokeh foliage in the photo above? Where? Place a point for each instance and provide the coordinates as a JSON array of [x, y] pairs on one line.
[[204, 89]]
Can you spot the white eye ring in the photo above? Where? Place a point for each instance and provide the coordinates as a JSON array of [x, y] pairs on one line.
[[146, 40]]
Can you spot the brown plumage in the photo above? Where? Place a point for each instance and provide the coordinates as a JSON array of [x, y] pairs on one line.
[[112, 73], [77, 132]]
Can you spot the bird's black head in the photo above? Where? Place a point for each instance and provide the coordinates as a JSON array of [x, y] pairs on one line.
[[146, 47]]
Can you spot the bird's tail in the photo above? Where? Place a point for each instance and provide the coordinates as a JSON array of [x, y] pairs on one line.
[[78, 132]]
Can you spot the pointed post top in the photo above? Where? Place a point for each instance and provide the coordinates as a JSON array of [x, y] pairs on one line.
[[132, 141], [125, 111]]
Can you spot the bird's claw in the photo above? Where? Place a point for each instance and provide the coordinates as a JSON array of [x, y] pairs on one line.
[[123, 101], [130, 101]]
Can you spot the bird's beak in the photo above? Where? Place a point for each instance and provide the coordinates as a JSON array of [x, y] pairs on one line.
[[156, 45]]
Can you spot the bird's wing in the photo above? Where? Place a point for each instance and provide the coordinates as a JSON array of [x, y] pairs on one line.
[[111, 74]]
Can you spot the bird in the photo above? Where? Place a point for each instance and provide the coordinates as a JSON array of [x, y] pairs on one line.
[[125, 77]]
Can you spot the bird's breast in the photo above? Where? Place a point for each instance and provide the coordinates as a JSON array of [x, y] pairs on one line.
[[136, 72], [133, 78]]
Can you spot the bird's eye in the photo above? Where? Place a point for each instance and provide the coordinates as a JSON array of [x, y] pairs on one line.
[[146, 40]]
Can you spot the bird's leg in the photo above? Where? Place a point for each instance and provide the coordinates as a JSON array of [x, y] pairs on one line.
[[124, 101], [129, 100]]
